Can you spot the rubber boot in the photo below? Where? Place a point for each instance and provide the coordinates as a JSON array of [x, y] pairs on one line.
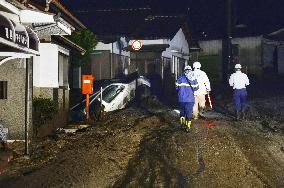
[[182, 121], [188, 125]]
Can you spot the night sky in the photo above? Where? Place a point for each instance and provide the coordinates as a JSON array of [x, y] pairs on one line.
[[113, 17]]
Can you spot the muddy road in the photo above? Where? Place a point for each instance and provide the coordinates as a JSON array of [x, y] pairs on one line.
[[138, 147]]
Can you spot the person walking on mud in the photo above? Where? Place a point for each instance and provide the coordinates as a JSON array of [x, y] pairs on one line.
[[186, 84], [239, 81], [204, 88]]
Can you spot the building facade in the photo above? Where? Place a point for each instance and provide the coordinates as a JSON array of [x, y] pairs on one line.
[[18, 44]]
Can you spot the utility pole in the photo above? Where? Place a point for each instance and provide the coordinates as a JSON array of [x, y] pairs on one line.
[[227, 43]]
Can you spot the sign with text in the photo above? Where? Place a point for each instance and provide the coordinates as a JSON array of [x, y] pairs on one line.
[[6, 29], [87, 84], [18, 33]]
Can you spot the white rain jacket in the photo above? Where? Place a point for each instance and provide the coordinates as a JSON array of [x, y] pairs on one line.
[[239, 80], [203, 82]]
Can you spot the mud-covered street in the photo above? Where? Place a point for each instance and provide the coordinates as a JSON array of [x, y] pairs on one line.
[[138, 94], [145, 147]]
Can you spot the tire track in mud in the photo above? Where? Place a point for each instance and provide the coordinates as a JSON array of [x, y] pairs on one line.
[[186, 180], [199, 154], [154, 165], [200, 161]]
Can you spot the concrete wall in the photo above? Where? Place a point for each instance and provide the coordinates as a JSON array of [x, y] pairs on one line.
[[250, 52], [211, 47], [61, 96], [12, 109], [100, 66]]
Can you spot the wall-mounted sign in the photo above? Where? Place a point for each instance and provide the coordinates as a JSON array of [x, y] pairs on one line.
[[21, 35], [6, 29], [136, 45], [18, 33]]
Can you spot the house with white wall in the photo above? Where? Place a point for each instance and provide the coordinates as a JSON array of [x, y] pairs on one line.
[[178, 52], [114, 59], [51, 66], [19, 43]]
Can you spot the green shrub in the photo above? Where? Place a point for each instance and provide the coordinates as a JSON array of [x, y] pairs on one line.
[[44, 110]]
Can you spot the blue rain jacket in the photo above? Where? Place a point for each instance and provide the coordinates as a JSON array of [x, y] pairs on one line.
[[185, 93]]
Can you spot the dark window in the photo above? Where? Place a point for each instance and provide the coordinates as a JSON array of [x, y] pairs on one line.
[[3, 89], [111, 92]]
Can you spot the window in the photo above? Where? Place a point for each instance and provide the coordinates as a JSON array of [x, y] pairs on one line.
[[111, 92], [63, 63], [3, 89]]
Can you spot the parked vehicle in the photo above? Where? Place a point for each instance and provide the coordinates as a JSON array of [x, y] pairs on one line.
[[115, 96]]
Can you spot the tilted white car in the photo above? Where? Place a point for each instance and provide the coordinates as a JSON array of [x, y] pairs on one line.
[[115, 96]]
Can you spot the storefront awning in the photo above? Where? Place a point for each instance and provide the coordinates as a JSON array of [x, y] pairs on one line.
[[15, 37]]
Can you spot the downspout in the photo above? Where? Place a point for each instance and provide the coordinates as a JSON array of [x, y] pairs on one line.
[[27, 110]]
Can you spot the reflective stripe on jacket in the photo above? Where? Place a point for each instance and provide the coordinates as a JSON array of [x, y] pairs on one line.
[[185, 93]]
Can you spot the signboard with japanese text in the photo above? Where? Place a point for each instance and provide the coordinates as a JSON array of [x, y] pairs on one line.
[[87, 84], [18, 33]]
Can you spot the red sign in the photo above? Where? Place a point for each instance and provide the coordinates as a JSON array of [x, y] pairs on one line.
[[136, 45], [87, 84]]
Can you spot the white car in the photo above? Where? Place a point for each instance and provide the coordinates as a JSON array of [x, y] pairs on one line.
[[115, 96]]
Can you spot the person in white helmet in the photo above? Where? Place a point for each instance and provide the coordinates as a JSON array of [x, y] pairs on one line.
[[186, 84], [204, 88], [239, 81]]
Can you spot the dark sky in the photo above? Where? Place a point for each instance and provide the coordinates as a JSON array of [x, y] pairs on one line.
[[130, 17]]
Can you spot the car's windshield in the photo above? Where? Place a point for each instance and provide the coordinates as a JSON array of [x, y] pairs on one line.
[[111, 92]]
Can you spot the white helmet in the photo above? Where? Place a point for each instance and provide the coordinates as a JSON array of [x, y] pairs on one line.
[[187, 67], [196, 65], [238, 66]]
